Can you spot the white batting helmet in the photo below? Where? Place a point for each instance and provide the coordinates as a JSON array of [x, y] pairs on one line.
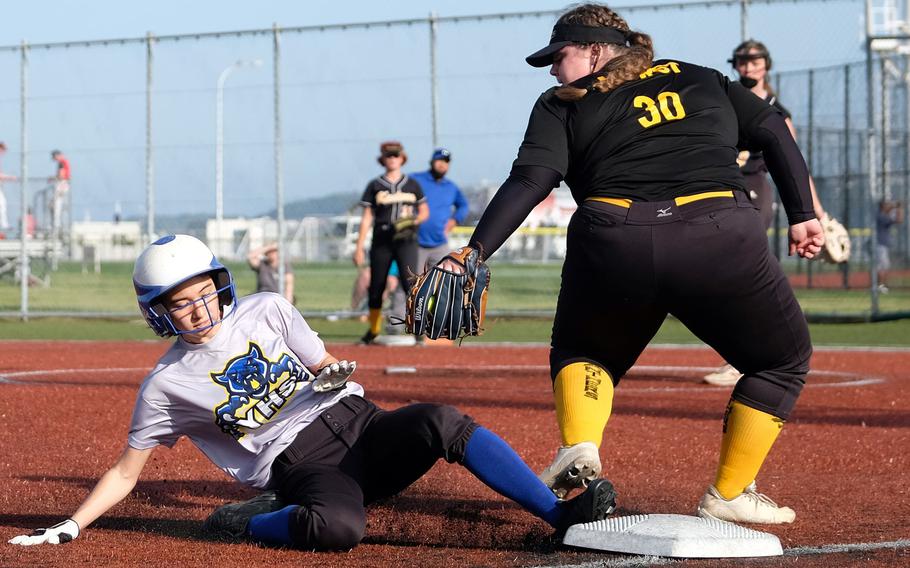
[[169, 262]]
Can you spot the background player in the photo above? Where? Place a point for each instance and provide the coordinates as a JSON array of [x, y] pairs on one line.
[[648, 150], [252, 386], [448, 208], [393, 206], [752, 62]]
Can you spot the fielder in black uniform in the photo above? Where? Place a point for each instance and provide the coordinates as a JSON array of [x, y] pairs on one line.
[[752, 62], [663, 226], [393, 205]]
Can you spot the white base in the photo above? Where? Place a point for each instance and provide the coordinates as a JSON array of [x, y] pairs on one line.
[[676, 536]]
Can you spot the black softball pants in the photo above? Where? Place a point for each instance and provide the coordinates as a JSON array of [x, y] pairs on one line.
[[356, 453], [383, 251], [708, 264]]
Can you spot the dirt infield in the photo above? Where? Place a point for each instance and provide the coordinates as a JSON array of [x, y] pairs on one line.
[[843, 462]]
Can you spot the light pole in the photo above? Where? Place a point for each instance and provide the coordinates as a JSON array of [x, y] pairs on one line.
[[219, 143]]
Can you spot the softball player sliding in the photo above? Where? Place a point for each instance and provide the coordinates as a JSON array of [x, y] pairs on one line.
[[252, 386], [648, 149]]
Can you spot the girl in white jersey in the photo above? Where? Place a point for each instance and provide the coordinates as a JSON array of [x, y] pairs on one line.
[[253, 387]]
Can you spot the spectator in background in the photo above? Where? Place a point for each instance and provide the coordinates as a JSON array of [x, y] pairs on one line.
[[890, 213], [30, 224], [61, 184], [264, 262], [4, 220], [448, 207]]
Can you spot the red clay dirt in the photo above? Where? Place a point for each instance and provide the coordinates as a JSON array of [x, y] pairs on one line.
[[842, 461]]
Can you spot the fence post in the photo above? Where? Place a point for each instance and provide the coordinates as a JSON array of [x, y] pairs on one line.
[[872, 174], [845, 270], [149, 166], [24, 274], [279, 181], [434, 86], [810, 150]]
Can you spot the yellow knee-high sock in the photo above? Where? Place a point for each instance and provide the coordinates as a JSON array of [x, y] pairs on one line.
[[583, 394], [375, 320], [748, 437]]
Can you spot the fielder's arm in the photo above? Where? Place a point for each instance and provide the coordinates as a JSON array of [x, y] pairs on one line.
[[111, 488]]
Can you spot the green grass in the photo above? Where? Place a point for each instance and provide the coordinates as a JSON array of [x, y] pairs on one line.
[[890, 334], [327, 287]]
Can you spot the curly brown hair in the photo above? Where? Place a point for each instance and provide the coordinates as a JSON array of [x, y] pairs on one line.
[[629, 61]]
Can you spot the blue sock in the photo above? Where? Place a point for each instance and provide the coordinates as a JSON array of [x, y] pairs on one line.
[[274, 527], [495, 463]]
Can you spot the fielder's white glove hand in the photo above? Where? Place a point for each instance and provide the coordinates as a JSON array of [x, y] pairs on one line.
[[60, 533], [334, 376]]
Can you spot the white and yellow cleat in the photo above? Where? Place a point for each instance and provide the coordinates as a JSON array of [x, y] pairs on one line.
[[574, 467], [726, 376], [748, 507]]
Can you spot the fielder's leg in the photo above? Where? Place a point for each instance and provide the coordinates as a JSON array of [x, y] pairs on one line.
[[603, 323], [748, 313], [583, 394]]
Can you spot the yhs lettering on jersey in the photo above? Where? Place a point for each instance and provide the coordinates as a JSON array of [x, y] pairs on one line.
[[257, 389]]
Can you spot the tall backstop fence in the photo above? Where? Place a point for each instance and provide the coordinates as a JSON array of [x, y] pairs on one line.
[[203, 130]]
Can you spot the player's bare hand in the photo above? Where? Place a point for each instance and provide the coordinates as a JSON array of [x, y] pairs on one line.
[[807, 238], [358, 257], [60, 533], [334, 376], [450, 264]]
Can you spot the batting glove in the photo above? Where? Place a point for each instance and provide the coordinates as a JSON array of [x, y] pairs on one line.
[[60, 533], [334, 376]]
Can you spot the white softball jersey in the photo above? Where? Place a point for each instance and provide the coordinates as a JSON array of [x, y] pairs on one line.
[[241, 397]]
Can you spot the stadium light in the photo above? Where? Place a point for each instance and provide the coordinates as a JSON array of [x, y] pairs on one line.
[[219, 142]]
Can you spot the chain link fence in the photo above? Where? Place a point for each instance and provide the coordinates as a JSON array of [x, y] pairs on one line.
[[203, 132]]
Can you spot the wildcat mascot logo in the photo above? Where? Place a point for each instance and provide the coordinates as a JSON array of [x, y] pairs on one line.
[[257, 389]]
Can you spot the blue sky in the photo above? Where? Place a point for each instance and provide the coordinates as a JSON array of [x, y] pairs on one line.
[[343, 92]]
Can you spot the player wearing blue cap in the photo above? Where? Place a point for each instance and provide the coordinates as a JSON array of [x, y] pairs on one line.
[[448, 207]]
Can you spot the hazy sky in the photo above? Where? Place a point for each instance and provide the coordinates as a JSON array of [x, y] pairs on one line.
[[342, 92]]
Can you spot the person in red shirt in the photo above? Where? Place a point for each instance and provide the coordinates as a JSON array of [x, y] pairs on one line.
[[61, 183]]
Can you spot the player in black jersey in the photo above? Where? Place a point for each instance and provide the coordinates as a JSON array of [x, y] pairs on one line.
[[752, 62], [393, 206], [663, 226]]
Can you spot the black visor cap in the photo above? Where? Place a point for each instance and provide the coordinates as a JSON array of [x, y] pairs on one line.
[[567, 34]]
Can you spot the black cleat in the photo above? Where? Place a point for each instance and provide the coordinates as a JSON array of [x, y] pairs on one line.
[[594, 504], [368, 338], [231, 520]]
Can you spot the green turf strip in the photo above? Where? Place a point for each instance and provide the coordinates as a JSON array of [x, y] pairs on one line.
[[892, 333]]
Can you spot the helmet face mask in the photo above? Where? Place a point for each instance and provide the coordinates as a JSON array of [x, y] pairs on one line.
[[166, 264]]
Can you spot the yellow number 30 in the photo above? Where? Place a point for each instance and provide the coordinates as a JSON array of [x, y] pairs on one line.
[[671, 108]]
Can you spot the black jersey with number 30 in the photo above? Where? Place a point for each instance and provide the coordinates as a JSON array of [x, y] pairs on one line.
[[672, 132]]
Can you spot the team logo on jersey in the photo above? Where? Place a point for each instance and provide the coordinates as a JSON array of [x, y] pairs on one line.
[[257, 389]]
